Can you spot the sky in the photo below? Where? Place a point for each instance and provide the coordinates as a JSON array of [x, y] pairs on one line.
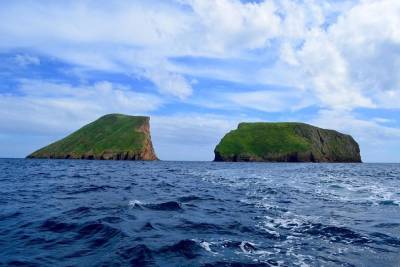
[[198, 68]]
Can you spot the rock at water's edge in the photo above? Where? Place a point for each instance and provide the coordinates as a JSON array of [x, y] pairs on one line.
[[286, 142], [111, 137]]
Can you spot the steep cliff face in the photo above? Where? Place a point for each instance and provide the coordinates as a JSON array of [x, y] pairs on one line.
[[286, 142], [111, 137]]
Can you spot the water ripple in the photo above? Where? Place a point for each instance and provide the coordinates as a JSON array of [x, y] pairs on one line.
[[97, 213]]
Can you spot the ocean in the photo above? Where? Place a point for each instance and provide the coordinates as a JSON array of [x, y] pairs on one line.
[[126, 213]]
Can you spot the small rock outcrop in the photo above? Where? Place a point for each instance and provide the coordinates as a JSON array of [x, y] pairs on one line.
[[111, 137], [286, 142]]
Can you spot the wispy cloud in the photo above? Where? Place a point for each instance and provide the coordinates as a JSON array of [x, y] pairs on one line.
[[24, 60], [281, 56], [191, 136], [169, 83], [39, 107], [342, 60]]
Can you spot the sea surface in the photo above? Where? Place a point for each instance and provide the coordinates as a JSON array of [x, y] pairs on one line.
[[114, 213]]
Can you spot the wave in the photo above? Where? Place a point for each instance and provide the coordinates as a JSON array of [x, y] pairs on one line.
[[139, 255], [95, 233], [244, 246], [80, 211], [111, 219], [96, 228], [166, 206], [52, 225], [202, 227], [388, 225], [188, 198], [204, 214], [147, 227], [135, 203], [22, 263], [90, 188], [386, 240], [389, 202], [336, 233], [239, 264], [163, 206], [188, 248], [247, 247], [98, 234], [10, 216]]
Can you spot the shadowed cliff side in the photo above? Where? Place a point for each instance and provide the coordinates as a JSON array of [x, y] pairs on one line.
[[111, 137], [286, 142]]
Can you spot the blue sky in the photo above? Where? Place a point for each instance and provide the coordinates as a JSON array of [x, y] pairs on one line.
[[198, 68]]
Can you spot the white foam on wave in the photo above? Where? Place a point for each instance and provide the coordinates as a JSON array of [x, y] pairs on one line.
[[298, 259], [244, 244], [250, 250], [267, 227], [287, 221], [206, 246], [135, 203], [360, 191]]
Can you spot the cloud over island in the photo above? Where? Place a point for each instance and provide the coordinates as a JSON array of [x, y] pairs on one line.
[[198, 67]]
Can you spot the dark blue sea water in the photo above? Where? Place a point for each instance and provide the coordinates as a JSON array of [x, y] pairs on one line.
[[113, 213]]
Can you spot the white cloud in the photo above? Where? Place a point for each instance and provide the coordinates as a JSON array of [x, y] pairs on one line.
[[138, 37], [122, 37], [342, 52], [170, 83], [328, 72], [228, 25], [364, 130], [383, 120], [49, 107], [352, 62], [388, 99], [243, 99], [191, 136], [287, 54], [24, 60], [299, 17], [340, 55], [270, 101]]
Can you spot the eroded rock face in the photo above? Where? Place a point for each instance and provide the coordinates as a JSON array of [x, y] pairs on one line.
[[111, 137], [286, 142]]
